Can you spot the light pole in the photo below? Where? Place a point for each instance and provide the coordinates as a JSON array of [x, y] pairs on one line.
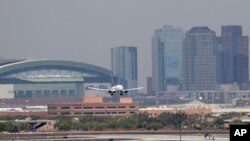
[[88, 127], [57, 122], [180, 118], [143, 125]]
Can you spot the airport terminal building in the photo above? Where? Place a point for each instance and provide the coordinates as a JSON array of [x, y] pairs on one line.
[[49, 79]]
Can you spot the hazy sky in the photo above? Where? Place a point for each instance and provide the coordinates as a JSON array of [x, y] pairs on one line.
[[85, 30]]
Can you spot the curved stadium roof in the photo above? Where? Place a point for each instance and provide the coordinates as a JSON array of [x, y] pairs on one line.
[[10, 67]]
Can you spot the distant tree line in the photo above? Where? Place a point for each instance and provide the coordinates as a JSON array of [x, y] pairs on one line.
[[14, 127], [141, 121], [11, 126]]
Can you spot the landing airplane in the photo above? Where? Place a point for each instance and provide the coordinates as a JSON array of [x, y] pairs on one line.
[[116, 89]]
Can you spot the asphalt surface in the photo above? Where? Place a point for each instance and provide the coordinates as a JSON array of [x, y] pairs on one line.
[[108, 136]]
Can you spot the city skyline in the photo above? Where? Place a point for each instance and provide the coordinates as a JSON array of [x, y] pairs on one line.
[[207, 60], [76, 30]]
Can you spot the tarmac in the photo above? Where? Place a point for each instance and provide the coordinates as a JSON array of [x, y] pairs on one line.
[[119, 137]]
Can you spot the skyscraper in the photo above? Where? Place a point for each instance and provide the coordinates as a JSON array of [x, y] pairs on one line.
[[149, 86], [199, 59], [167, 45], [235, 55], [124, 66]]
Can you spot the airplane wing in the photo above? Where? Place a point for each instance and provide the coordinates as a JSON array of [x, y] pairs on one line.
[[92, 88], [131, 89]]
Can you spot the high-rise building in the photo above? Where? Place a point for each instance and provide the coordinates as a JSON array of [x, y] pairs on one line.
[[124, 66], [167, 45], [149, 86], [234, 61], [199, 59]]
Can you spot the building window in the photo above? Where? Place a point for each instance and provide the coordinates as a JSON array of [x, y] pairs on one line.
[[46, 92], [55, 91], [77, 107], [111, 107], [65, 107], [99, 113], [52, 107], [132, 107], [52, 113], [122, 107], [88, 113], [38, 92], [71, 92], [87, 107], [65, 113], [77, 113], [100, 107], [63, 92]]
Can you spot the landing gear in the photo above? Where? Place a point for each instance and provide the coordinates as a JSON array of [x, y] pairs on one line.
[[121, 93]]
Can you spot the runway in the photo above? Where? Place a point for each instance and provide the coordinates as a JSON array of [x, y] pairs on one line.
[[196, 137], [122, 137]]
